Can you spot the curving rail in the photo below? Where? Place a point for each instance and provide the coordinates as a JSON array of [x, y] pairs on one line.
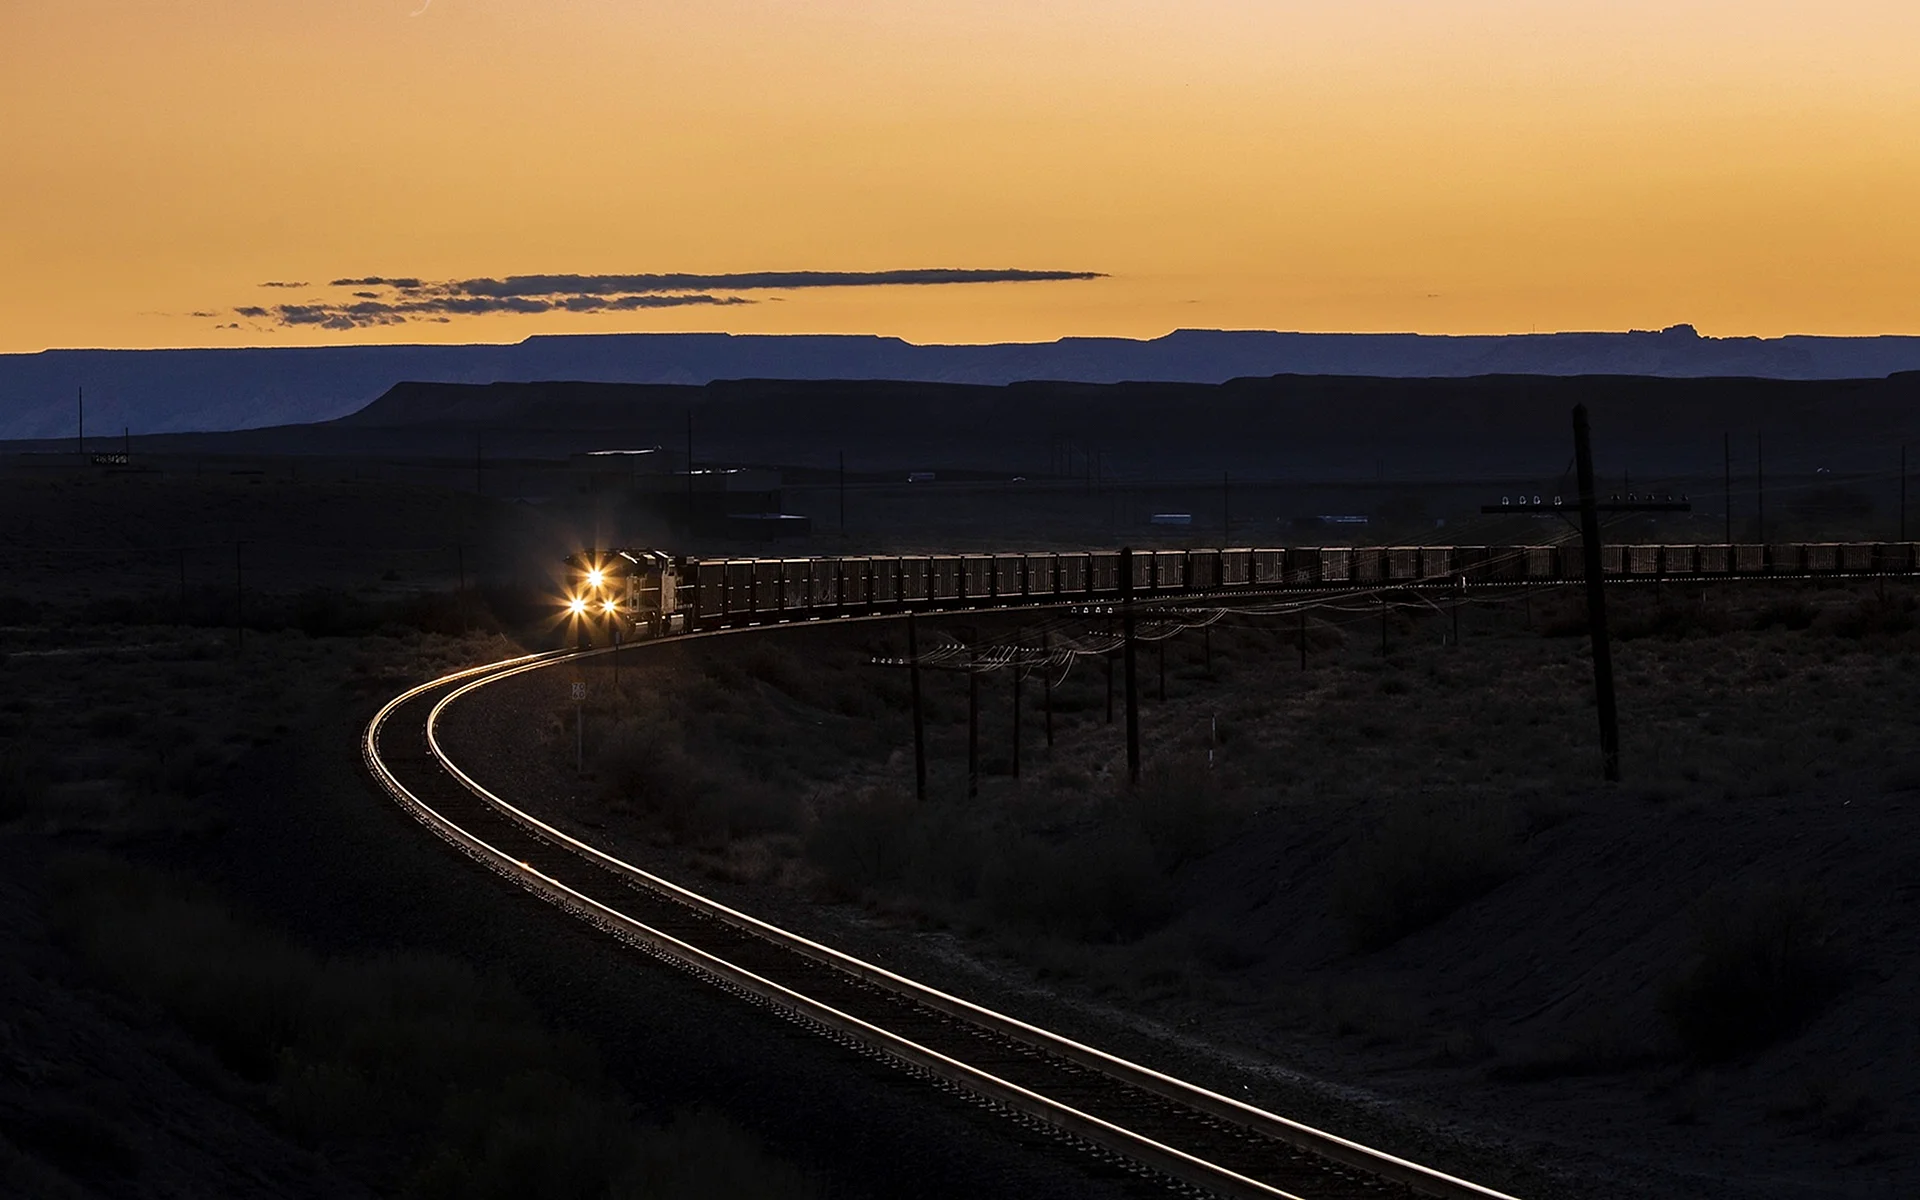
[[1123, 1111]]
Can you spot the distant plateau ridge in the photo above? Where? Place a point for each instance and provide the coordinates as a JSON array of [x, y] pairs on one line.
[[170, 391]]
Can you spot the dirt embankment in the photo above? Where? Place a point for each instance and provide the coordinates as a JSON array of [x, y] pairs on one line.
[[1394, 876]]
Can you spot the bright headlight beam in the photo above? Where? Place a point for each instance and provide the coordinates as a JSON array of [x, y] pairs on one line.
[[577, 606], [608, 605], [596, 577]]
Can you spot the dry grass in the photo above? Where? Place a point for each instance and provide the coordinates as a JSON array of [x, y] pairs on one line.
[[435, 1081], [1762, 966]]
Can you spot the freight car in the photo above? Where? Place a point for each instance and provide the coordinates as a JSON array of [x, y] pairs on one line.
[[649, 591]]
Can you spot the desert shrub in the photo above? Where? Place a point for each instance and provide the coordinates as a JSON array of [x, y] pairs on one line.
[[1182, 811], [1763, 965], [24, 778], [410, 1054], [1791, 612], [643, 764], [1420, 862], [1873, 616], [1097, 886], [17, 610], [1672, 621], [114, 722], [933, 853]]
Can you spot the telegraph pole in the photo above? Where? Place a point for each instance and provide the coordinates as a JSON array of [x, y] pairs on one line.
[[1596, 601], [1133, 688], [1903, 491], [919, 725], [1016, 708], [973, 713], [843, 493], [80, 406], [1760, 480], [1046, 647], [689, 469], [1226, 510], [1303, 638]]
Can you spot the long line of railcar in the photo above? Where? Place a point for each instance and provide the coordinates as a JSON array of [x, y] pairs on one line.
[[674, 595], [714, 593]]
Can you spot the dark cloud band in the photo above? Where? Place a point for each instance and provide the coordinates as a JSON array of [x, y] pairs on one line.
[[394, 300]]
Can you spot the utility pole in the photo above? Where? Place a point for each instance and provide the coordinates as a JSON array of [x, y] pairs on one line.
[[1303, 638], [1133, 688], [1903, 491], [973, 713], [1726, 485], [1206, 640], [479, 484], [1760, 480], [1458, 600], [919, 725], [1162, 645], [80, 405], [1596, 601], [689, 469], [1383, 624], [1046, 648], [1226, 510], [1016, 709], [843, 493], [1108, 656], [183, 586]]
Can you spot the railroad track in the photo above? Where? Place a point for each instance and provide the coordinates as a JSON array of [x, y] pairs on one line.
[[1194, 1139]]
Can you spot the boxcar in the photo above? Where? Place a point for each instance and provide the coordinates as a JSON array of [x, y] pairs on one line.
[[1037, 572], [1142, 572], [1820, 557], [1104, 569], [1169, 570], [1009, 575], [796, 576], [1678, 560], [1236, 568], [916, 579], [1203, 570], [1436, 562], [1857, 558], [1613, 560], [1336, 564], [1643, 560], [1714, 559], [1369, 563], [1073, 574], [1784, 558], [1749, 559], [943, 577]]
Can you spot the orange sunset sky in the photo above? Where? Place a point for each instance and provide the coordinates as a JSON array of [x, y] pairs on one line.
[[1446, 166]]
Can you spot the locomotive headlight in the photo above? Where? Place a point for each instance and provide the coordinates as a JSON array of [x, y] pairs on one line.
[[607, 606], [577, 606], [596, 577]]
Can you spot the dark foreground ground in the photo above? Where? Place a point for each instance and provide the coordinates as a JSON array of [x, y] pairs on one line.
[[1386, 893], [1404, 893]]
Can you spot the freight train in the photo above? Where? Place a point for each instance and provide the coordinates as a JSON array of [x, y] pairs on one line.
[[650, 592]]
